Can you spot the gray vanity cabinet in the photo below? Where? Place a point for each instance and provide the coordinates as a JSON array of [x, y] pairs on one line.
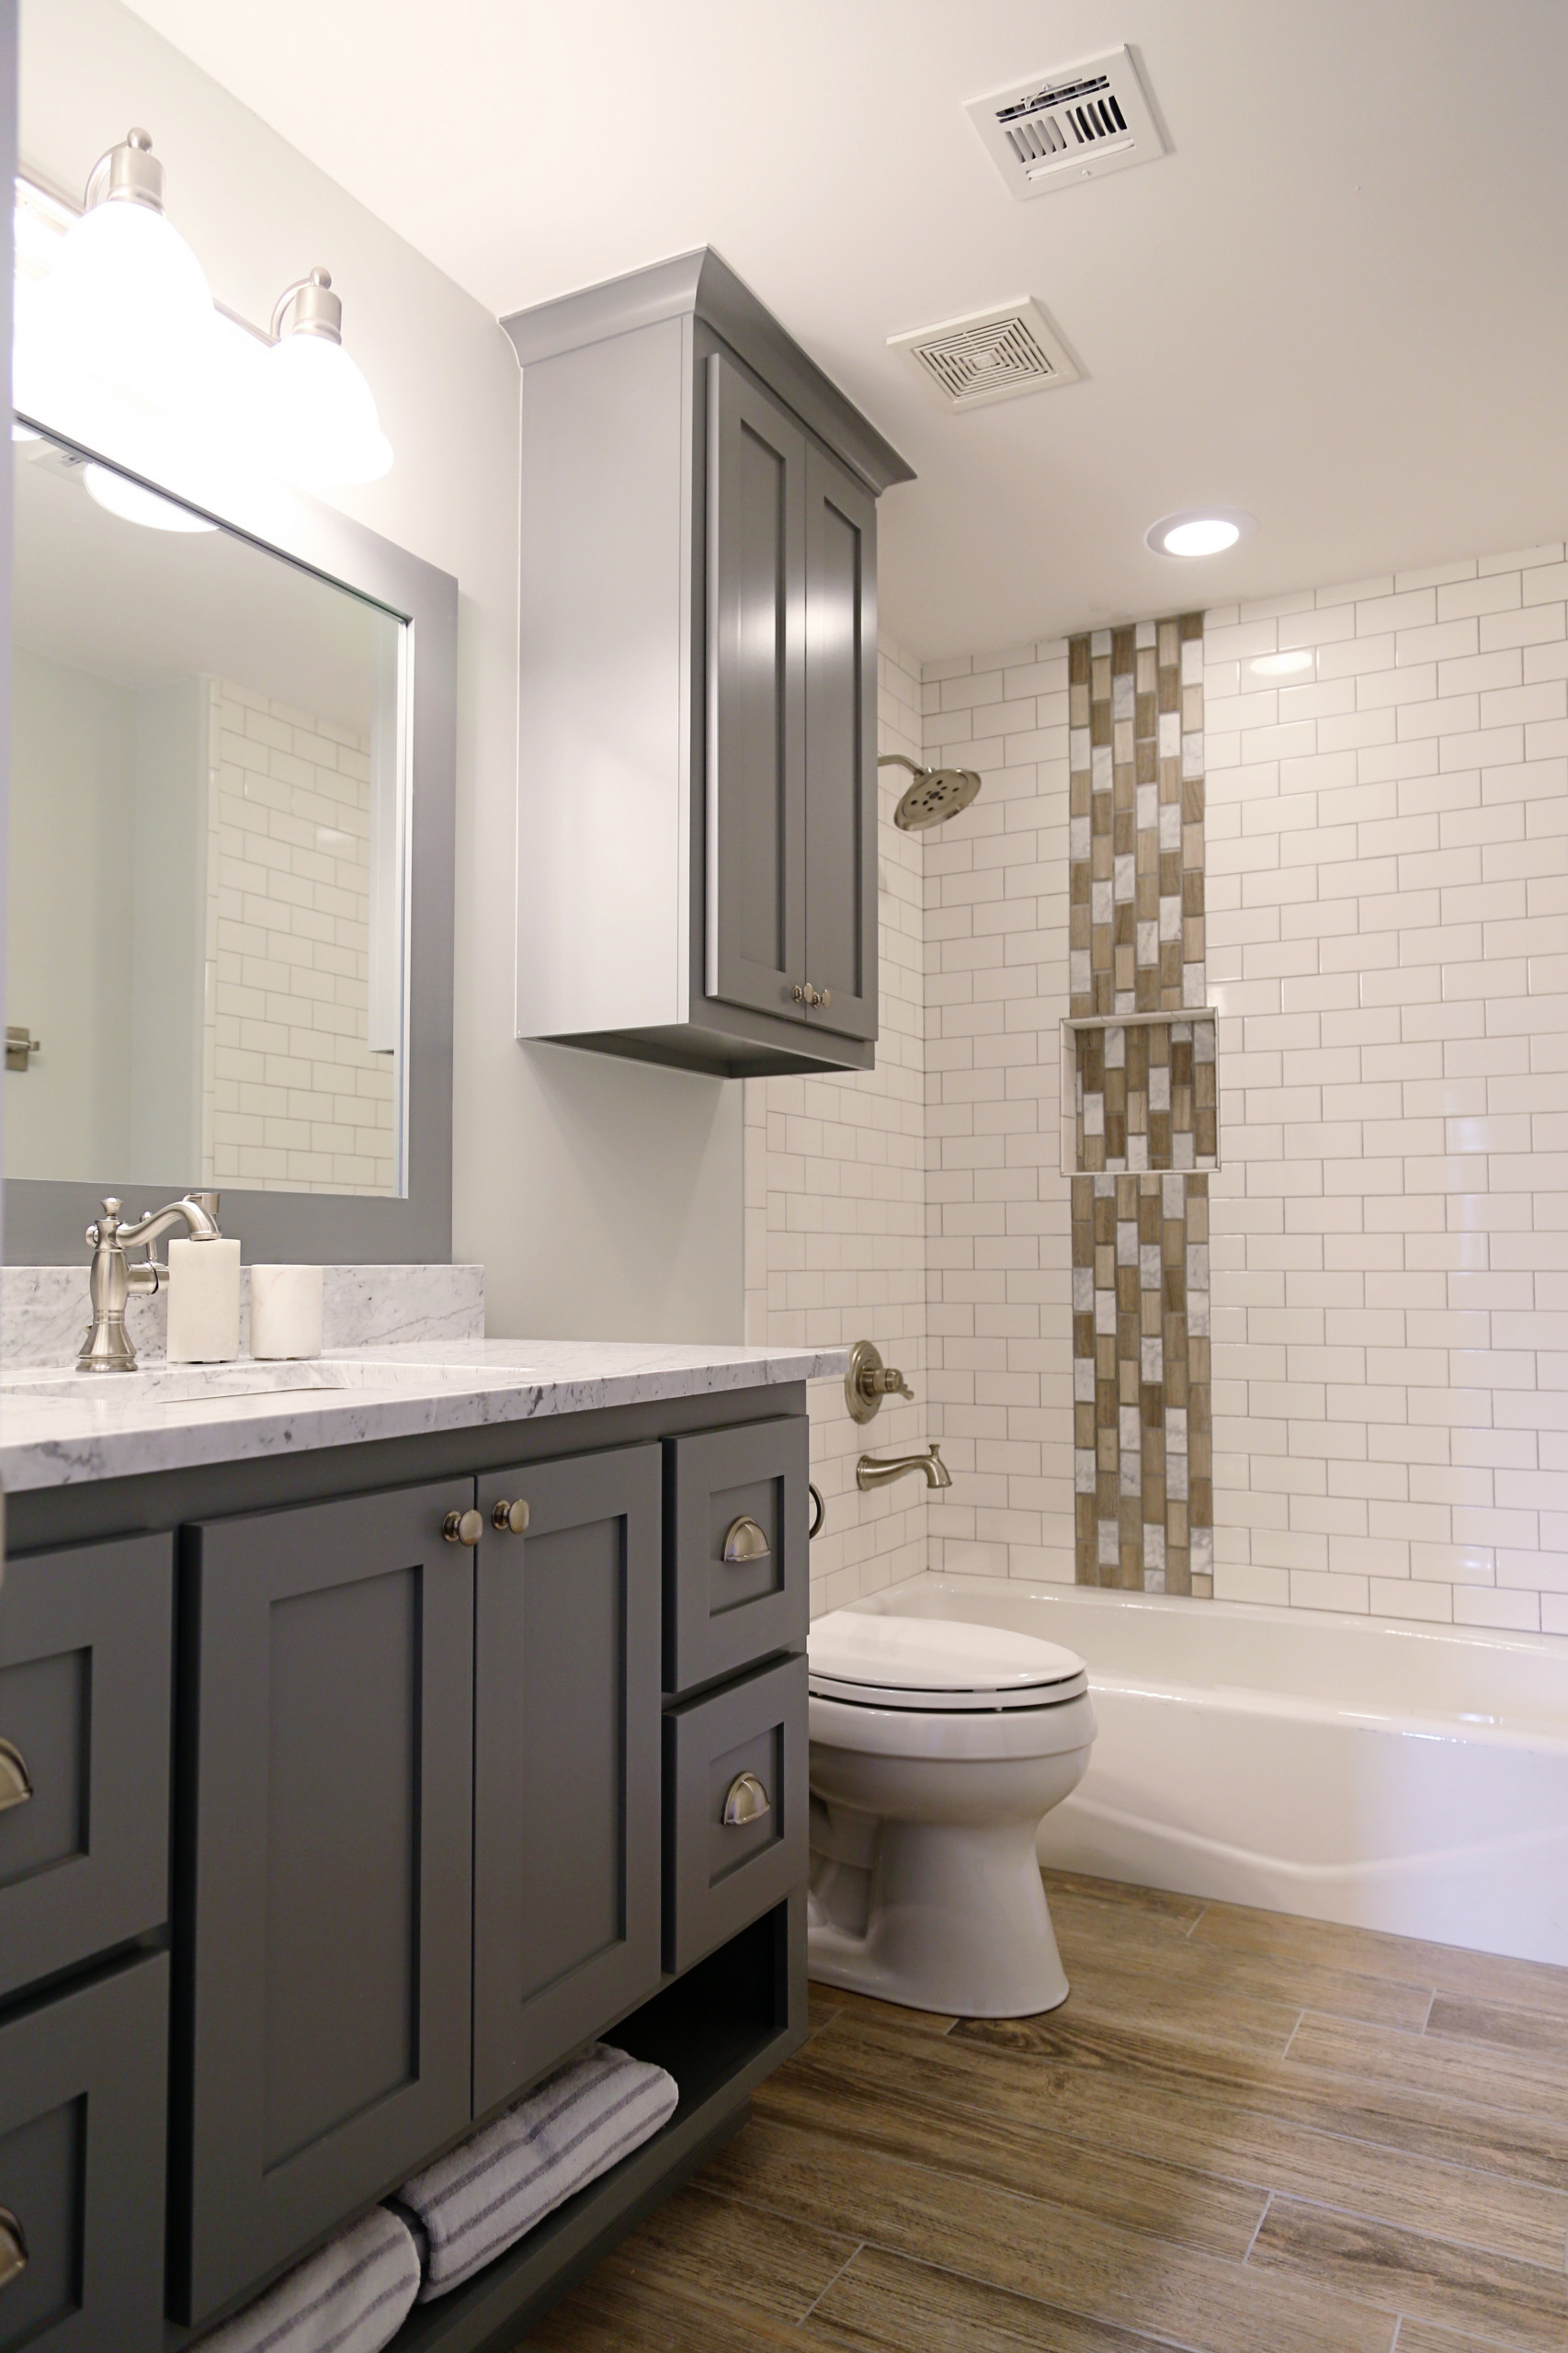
[[84, 2090], [566, 1760], [698, 783], [327, 1856]]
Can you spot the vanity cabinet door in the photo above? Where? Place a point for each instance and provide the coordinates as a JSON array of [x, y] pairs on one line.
[[841, 747], [85, 1652], [324, 2033], [566, 1777], [84, 2090]]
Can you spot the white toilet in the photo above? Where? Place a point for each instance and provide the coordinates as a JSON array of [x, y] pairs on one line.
[[935, 1749]]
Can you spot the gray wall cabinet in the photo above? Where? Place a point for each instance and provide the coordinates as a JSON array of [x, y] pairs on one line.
[[566, 1762], [446, 1804], [332, 1652], [698, 791]]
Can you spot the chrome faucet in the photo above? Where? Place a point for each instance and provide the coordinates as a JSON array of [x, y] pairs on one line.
[[108, 1346], [870, 1472]]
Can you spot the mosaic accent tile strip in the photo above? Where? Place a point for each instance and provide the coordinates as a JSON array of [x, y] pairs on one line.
[[1146, 1129]]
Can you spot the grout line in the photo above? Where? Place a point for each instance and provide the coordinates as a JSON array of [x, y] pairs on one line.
[[1191, 1924], [1295, 2030], [1263, 2218], [1431, 2005], [859, 2248], [1398, 2331]]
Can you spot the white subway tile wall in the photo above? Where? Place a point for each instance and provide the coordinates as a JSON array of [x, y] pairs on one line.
[[835, 1214], [998, 1238], [293, 1097], [1387, 889]]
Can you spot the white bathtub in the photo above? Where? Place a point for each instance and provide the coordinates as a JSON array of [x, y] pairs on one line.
[[1387, 1775]]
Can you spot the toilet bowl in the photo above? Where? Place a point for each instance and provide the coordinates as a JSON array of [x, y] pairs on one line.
[[935, 1750]]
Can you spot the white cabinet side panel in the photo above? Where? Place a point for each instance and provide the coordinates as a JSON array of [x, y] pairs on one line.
[[601, 792]]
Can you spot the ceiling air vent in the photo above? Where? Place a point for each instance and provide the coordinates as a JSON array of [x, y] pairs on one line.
[[1073, 125], [991, 355]]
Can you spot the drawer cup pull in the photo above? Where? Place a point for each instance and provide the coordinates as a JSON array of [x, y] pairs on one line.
[[462, 1528], [510, 1519], [744, 1540], [13, 2247], [820, 1512], [746, 1801], [16, 1783]]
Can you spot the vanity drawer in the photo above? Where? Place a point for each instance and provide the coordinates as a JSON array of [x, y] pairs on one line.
[[736, 1573], [84, 2090], [719, 1874], [86, 1640]]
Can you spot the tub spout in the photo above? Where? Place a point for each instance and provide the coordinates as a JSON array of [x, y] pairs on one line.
[[870, 1472]]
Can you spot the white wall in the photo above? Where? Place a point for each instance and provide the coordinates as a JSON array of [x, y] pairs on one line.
[[602, 1198], [1388, 885]]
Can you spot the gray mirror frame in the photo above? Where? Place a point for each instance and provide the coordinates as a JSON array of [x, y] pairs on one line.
[[44, 1221]]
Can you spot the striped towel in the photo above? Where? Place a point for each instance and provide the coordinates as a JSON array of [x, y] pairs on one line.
[[350, 2297], [470, 2205]]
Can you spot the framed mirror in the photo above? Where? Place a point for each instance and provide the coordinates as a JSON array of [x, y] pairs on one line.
[[229, 870]]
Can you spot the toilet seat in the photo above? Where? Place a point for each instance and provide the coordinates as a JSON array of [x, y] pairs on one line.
[[936, 1666]]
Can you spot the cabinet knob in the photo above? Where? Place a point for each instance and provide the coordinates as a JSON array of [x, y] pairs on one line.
[[13, 2247], [803, 994], [746, 1801], [462, 1528], [510, 1519], [16, 1781], [744, 1540]]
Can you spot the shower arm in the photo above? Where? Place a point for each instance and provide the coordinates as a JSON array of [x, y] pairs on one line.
[[901, 760]]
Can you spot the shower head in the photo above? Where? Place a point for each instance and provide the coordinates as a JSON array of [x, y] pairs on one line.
[[934, 795]]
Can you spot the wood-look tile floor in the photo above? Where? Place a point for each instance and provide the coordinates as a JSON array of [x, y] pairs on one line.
[[1241, 2133]]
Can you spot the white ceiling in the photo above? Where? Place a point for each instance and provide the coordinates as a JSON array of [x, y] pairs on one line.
[[1341, 301]]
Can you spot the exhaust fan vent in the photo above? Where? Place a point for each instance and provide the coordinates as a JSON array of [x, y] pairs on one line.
[[990, 355], [1074, 125]]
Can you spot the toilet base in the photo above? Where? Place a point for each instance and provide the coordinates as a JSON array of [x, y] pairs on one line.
[[943, 1917]]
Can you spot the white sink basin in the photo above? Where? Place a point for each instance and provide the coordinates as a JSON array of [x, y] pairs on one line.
[[193, 1384]]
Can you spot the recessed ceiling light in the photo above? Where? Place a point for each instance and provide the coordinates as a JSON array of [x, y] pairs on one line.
[[1281, 666], [1200, 530]]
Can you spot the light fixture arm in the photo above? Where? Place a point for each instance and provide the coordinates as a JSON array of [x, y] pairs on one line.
[[316, 309], [129, 174]]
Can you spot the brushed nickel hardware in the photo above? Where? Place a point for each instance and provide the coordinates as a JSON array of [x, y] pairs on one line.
[[803, 994], [936, 794], [868, 1381], [510, 1519], [745, 1801], [13, 2246], [870, 1472], [20, 1046], [108, 1346], [821, 1512], [16, 1781], [744, 1540], [462, 1528], [826, 999]]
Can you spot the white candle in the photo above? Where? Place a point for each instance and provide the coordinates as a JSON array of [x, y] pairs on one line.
[[285, 1311], [204, 1302]]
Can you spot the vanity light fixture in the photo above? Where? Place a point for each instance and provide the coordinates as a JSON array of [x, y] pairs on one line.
[[128, 300], [318, 414], [134, 503], [1200, 530]]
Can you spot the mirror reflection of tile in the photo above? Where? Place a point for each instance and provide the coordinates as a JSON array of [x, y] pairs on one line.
[[292, 1095]]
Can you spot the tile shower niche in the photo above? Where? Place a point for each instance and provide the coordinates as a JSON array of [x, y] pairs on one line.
[[1145, 1091]]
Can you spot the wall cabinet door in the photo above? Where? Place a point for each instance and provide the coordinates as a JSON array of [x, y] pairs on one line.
[[841, 747], [83, 2088], [86, 1640], [756, 695], [327, 1880], [566, 1777]]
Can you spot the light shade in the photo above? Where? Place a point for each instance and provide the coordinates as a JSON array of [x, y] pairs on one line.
[[134, 503], [127, 302], [318, 424], [1200, 530]]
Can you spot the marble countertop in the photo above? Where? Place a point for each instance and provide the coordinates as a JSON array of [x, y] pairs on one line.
[[56, 1430]]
